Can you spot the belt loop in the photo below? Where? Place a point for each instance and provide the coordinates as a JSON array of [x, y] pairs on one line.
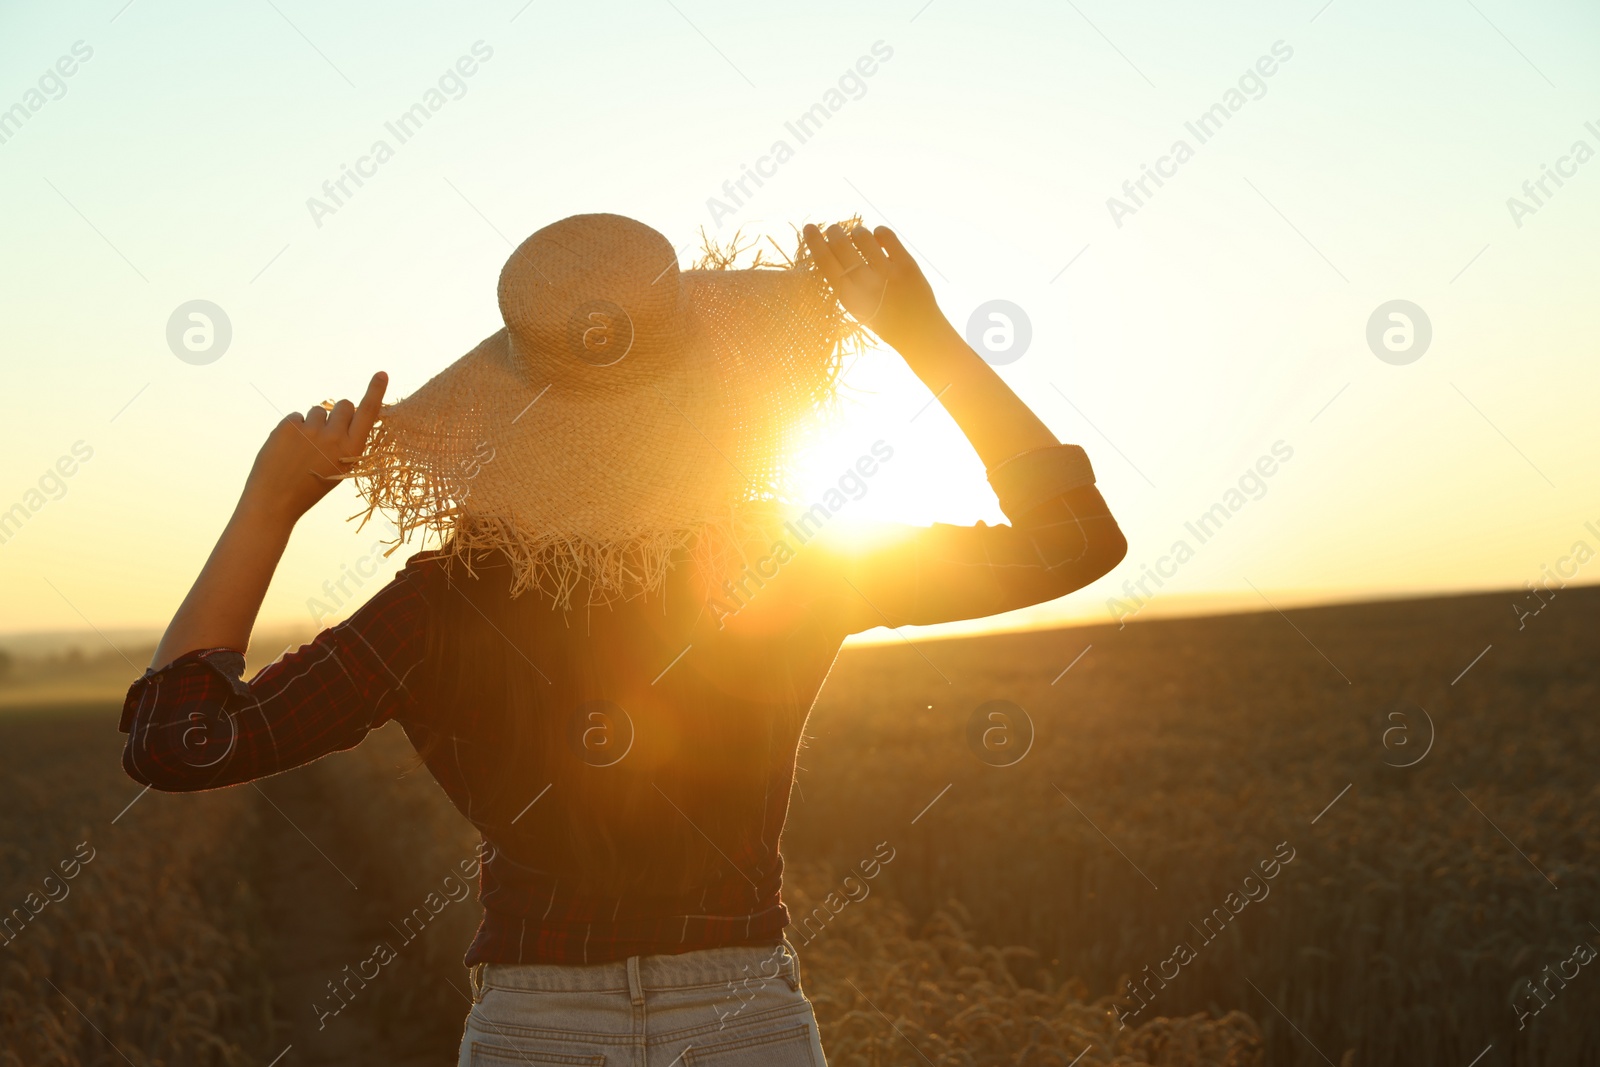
[[792, 958], [635, 987], [475, 976]]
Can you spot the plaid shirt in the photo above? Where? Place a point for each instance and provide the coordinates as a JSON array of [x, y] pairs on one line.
[[195, 724]]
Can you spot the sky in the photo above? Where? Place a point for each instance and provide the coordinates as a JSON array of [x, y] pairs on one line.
[[1183, 333]]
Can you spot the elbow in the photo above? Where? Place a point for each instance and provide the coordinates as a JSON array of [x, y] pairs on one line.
[[130, 768], [1094, 554], [147, 772], [182, 742], [1107, 548], [1079, 541], [153, 771]]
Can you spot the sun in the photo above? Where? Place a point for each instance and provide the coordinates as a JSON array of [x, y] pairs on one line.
[[890, 454]]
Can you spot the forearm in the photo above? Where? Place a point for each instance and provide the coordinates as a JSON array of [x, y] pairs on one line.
[[304, 457], [222, 605], [993, 418], [875, 278]]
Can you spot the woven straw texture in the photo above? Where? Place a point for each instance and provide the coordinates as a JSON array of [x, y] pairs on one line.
[[627, 410]]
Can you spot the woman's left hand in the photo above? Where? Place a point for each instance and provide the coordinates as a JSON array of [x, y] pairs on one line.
[[305, 456], [876, 280]]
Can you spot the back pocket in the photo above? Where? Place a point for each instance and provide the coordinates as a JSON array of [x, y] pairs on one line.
[[789, 1047], [496, 1056]]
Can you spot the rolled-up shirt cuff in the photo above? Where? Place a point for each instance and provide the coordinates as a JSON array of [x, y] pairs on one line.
[[226, 664], [1031, 478]]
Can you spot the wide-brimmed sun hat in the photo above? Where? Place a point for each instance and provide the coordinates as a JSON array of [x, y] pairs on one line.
[[627, 409]]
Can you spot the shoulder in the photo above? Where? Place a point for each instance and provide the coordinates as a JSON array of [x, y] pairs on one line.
[[403, 604]]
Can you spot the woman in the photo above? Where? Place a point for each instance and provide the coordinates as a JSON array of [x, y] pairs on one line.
[[609, 663]]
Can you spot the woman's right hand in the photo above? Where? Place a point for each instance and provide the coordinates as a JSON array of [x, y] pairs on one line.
[[307, 455], [878, 283]]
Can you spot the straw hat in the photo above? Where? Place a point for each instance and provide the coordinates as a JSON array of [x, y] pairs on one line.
[[627, 409]]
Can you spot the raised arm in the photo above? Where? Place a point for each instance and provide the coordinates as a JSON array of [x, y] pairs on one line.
[[1062, 535], [192, 721], [878, 282], [304, 457]]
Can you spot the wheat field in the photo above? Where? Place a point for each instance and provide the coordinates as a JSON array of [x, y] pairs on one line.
[[1209, 852]]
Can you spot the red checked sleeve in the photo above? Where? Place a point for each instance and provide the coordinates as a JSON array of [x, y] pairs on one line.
[[196, 724]]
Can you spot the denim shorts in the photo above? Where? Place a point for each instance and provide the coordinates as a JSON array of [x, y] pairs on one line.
[[719, 1007]]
